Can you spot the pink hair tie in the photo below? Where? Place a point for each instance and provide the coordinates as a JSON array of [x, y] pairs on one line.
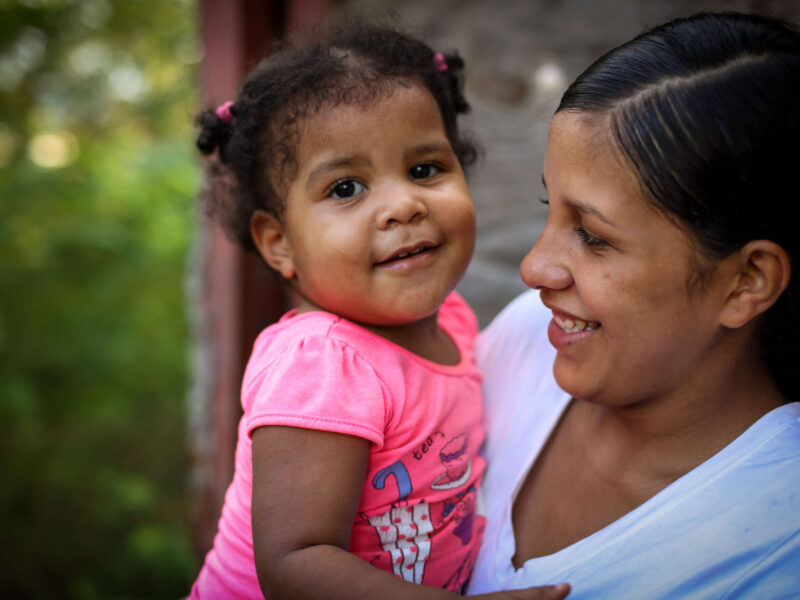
[[224, 111], [440, 61]]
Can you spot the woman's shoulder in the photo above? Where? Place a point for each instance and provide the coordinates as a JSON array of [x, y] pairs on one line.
[[774, 441]]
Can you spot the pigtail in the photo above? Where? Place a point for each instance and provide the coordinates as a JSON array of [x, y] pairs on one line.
[[451, 67], [449, 80], [216, 129]]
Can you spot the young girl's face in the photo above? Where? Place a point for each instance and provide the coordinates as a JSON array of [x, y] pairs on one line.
[[379, 225]]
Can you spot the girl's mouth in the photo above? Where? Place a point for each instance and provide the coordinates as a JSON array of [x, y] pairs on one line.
[[404, 253]]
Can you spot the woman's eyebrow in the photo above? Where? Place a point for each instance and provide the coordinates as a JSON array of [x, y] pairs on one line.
[[584, 208], [588, 209]]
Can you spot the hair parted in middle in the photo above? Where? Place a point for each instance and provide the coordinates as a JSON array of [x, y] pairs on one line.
[[350, 63]]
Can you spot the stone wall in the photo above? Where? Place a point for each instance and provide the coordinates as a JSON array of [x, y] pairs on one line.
[[520, 55]]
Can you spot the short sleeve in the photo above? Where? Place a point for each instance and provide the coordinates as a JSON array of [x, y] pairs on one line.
[[319, 383]]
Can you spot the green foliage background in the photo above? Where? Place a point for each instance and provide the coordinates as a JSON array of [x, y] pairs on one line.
[[93, 323]]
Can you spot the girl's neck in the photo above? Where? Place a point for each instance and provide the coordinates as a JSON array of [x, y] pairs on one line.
[[425, 337]]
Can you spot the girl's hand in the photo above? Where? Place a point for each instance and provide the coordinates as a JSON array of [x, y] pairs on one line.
[[545, 592]]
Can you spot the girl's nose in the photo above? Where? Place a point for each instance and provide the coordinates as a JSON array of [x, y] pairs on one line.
[[544, 267], [401, 204]]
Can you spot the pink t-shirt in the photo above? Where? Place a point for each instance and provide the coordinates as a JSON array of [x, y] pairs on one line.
[[416, 514]]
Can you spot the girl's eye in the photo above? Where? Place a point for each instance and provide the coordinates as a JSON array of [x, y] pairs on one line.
[[423, 171], [347, 188], [588, 239], [544, 201]]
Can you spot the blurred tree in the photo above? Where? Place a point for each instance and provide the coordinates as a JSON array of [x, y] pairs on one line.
[[97, 180]]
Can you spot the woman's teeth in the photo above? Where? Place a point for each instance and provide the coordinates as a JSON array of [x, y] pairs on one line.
[[575, 325]]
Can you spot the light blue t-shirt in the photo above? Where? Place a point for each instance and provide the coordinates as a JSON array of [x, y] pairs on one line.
[[728, 529]]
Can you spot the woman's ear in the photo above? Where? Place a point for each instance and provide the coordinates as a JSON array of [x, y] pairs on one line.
[[763, 273], [270, 239]]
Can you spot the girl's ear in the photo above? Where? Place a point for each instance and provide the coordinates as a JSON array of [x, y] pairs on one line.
[[763, 273], [270, 239]]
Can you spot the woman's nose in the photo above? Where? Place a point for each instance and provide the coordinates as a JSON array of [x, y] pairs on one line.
[[545, 265], [400, 204]]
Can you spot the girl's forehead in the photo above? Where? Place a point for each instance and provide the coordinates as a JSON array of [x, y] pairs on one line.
[[357, 96], [370, 114], [400, 117]]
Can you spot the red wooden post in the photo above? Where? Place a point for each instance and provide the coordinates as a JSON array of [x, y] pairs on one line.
[[234, 295]]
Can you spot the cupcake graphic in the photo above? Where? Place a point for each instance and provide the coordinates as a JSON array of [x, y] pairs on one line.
[[455, 457]]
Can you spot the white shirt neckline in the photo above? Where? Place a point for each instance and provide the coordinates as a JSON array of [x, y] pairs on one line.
[[628, 525]]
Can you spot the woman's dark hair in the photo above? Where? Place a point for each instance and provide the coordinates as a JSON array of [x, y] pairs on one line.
[[353, 63], [707, 111]]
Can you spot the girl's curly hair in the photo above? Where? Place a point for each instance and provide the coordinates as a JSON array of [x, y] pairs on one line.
[[354, 63]]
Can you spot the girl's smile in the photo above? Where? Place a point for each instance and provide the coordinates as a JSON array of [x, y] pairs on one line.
[[409, 256]]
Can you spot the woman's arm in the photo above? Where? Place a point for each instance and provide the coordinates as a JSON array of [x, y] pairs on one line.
[[306, 488]]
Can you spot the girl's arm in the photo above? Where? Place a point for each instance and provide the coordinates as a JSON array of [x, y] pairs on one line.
[[306, 488]]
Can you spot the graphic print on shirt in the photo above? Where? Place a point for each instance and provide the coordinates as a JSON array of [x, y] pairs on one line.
[[462, 507], [404, 531], [401, 477], [457, 461]]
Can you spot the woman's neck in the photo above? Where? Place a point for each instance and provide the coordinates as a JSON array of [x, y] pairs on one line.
[[668, 436]]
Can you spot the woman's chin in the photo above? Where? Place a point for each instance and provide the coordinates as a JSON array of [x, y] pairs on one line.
[[575, 381]]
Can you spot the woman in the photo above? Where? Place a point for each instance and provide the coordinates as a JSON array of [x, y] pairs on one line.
[[659, 456]]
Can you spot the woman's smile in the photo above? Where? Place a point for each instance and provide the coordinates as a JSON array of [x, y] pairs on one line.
[[570, 325], [566, 330]]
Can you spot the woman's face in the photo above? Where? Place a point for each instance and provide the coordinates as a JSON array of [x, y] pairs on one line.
[[628, 325]]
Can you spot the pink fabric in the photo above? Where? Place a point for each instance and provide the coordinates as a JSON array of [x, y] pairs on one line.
[[416, 514]]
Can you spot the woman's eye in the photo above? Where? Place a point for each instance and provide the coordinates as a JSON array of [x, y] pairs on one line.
[[347, 188], [423, 171], [588, 239], [544, 201]]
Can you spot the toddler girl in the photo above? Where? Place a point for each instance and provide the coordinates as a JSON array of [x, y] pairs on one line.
[[357, 464]]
